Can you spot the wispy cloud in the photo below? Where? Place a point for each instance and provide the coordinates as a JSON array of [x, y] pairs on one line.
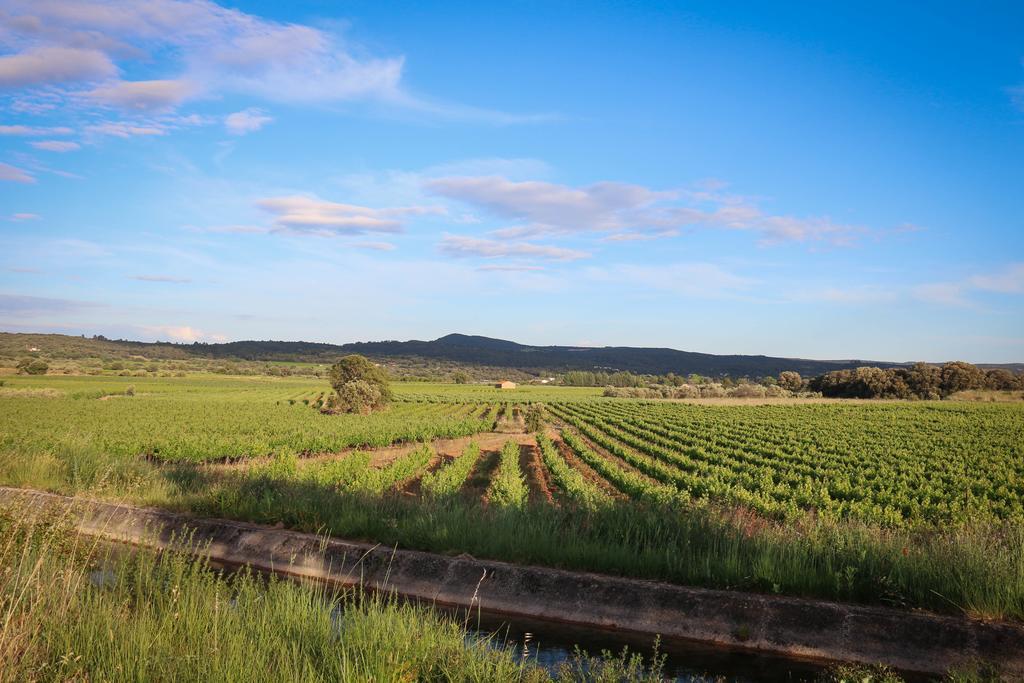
[[35, 131], [206, 50], [22, 306], [314, 216], [56, 145], [144, 95], [462, 246], [852, 294], [15, 174], [119, 129], [373, 246], [510, 268], [1008, 280], [19, 217], [161, 278], [630, 212], [246, 121], [694, 280], [53, 65]]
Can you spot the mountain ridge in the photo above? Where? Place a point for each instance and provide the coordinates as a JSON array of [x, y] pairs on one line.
[[456, 348]]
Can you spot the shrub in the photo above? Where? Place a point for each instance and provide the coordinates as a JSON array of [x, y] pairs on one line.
[[535, 417], [357, 396], [790, 380], [33, 366]]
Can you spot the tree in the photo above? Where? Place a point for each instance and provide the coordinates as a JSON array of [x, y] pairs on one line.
[[358, 396], [355, 367], [32, 366], [360, 386], [535, 417], [1002, 379], [790, 380], [961, 376], [461, 377], [923, 380]]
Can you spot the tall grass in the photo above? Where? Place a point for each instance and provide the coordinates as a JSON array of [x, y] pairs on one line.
[[169, 617]]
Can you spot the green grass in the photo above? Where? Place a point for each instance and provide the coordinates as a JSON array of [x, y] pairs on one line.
[[169, 617]]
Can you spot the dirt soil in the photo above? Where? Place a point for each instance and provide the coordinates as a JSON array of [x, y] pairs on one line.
[[381, 457], [537, 479], [475, 486]]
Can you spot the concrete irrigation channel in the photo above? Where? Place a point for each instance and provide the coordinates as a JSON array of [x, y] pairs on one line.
[[791, 627]]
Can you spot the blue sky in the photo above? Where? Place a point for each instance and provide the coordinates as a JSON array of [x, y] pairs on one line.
[[789, 179]]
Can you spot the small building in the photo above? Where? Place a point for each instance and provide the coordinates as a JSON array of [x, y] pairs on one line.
[[505, 384]]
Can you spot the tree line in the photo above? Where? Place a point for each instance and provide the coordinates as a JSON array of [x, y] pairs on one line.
[[920, 380]]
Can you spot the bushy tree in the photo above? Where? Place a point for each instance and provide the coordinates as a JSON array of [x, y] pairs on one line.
[[918, 381], [923, 380], [1001, 379], [32, 366], [358, 396], [790, 380], [961, 376], [461, 377], [359, 385], [535, 417]]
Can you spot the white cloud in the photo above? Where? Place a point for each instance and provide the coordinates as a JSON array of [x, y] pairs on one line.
[[15, 174], [204, 49], [54, 65], [629, 211], [547, 206], [144, 95], [35, 131], [246, 121], [56, 145], [314, 216], [462, 246], [182, 333], [18, 217]]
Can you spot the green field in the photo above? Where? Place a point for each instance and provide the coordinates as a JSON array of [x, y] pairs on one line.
[[909, 503]]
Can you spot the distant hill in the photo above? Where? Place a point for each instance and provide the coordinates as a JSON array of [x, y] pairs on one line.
[[452, 348]]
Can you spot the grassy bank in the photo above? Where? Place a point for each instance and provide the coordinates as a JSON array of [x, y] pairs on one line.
[[149, 617]]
